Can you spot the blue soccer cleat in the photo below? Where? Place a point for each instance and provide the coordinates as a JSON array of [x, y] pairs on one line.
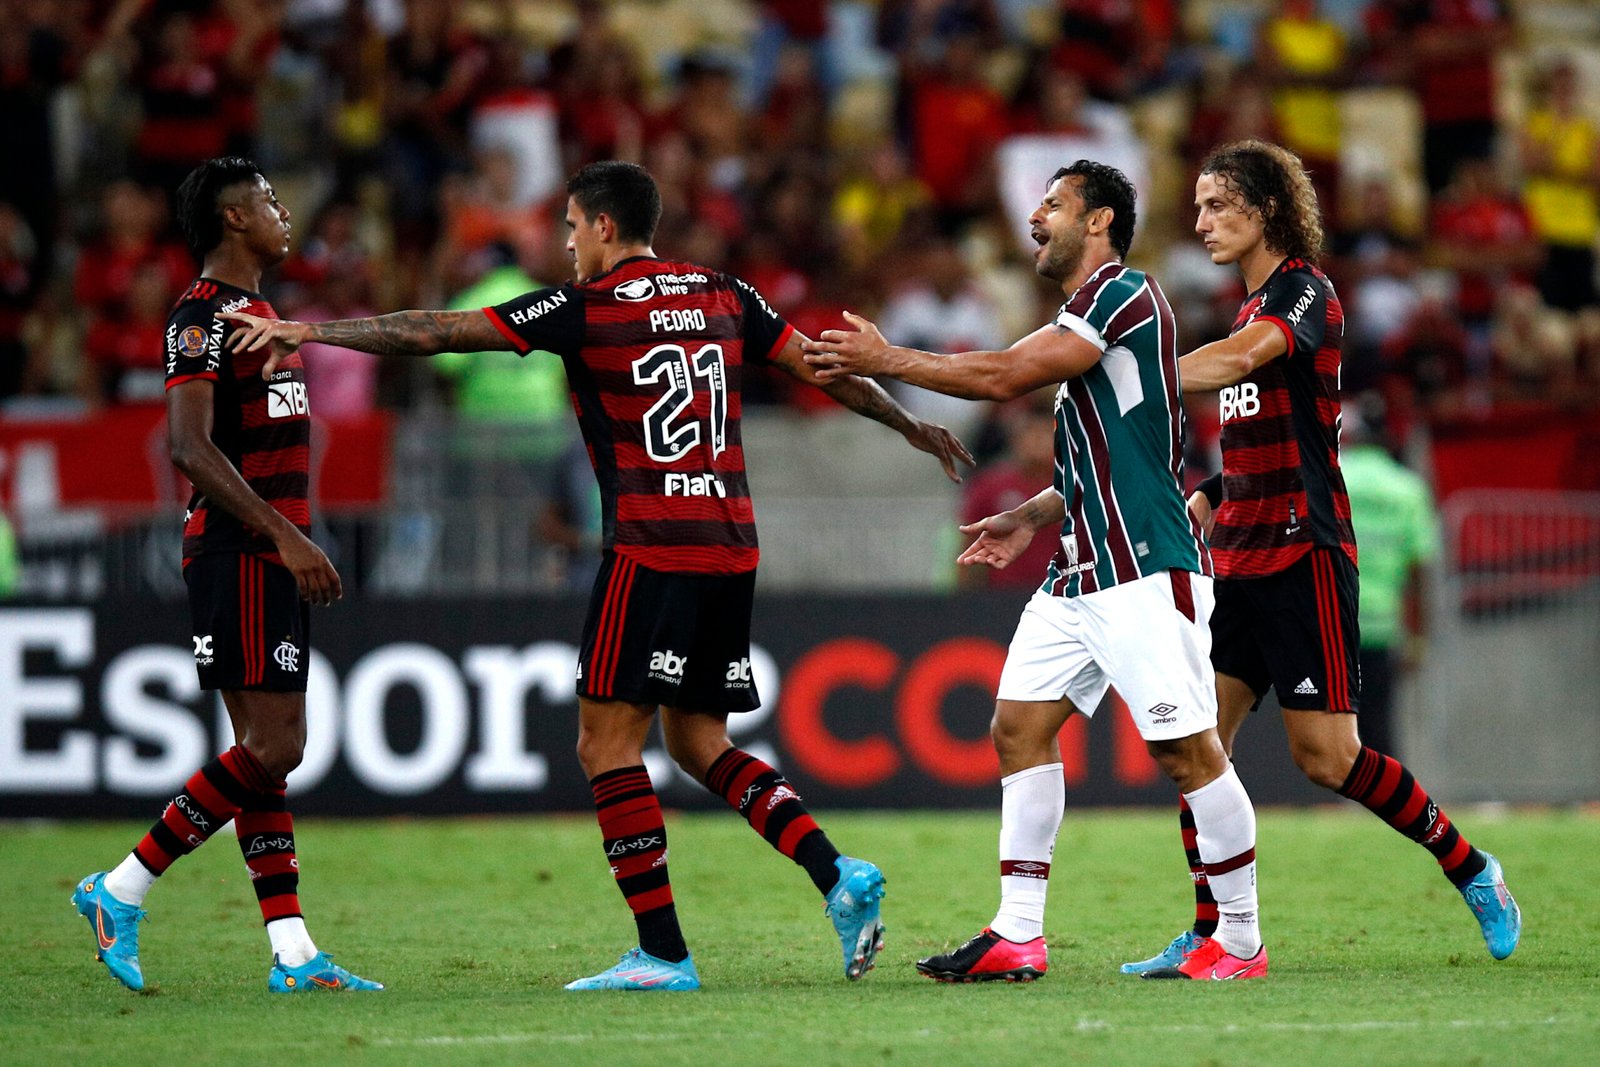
[[641, 972], [116, 929], [1168, 957], [319, 972], [853, 907], [1495, 908]]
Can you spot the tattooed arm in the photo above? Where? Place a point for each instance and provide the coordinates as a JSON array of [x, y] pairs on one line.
[[866, 397], [404, 333]]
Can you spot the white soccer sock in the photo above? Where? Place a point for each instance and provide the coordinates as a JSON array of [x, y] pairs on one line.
[[130, 881], [290, 942], [1225, 833], [1031, 805]]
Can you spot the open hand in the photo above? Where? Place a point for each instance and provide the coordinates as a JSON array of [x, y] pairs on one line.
[[860, 351], [279, 336], [943, 445], [1001, 539]]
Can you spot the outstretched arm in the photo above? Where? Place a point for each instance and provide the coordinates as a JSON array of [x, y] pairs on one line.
[[1232, 359], [1004, 537], [868, 398], [404, 333], [1048, 356]]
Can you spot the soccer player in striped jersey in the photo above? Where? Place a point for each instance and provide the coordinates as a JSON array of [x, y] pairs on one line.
[[656, 352], [1279, 518], [1127, 599], [242, 440]]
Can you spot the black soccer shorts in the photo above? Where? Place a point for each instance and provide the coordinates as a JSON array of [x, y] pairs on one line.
[[682, 640], [1294, 631], [251, 628]]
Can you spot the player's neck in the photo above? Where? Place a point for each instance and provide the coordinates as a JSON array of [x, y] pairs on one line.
[[621, 252], [237, 268], [1091, 263], [1257, 266]]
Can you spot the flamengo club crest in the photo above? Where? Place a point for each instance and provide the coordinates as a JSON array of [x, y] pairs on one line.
[[288, 656]]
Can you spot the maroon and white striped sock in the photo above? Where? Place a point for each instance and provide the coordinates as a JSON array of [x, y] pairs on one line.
[[1225, 836]]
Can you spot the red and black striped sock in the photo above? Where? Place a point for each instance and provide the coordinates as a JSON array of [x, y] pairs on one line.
[[266, 837], [1205, 905], [767, 800], [209, 799], [1387, 789], [636, 847]]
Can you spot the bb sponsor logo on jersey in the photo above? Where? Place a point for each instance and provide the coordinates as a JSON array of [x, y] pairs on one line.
[[635, 291], [667, 666], [522, 316], [1240, 401], [694, 485], [285, 400]]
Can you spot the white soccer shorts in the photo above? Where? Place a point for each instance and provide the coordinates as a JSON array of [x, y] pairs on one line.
[[1135, 636]]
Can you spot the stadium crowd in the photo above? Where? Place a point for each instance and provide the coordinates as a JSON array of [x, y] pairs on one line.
[[848, 154]]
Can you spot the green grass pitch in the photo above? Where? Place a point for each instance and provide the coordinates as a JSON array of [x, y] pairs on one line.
[[474, 924]]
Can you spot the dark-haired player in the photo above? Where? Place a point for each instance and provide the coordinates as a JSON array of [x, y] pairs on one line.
[[1285, 552], [1127, 598], [656, 351], [252, 573]]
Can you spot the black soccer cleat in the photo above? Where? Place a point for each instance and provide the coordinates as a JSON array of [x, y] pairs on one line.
[[989, 958]]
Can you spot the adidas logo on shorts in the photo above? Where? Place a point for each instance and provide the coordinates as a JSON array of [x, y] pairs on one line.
[[1305, 689]]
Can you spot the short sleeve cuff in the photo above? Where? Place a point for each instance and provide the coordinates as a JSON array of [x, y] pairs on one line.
[[1080, 326], [1288, 333], [517, 343]]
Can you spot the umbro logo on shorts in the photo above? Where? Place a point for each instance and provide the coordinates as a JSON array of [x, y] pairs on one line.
[[1163, 713]]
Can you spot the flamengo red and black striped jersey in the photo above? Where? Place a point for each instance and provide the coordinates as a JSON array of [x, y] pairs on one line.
[[263, 428], [1282, 490], [655, 353]]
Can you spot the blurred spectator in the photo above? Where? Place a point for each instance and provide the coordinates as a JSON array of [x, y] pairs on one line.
[[515, 409], [789, 28], [919, 30], [343, 382], [1379, 274], [126, 351], [1397, 526], [954, 120], [940, 311], [1118, 47], [878, 205], [1303, 55], [131, 238], [1426, 363], [1535, 349], [1026, 467], [1445, 49], [1056, 124], [1481, 232], [485, 209], [1561, 156]]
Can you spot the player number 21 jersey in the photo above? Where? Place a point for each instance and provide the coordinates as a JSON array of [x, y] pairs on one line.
[[655, 353]]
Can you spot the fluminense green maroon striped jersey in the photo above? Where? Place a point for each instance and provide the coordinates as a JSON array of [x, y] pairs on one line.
[[1119, 441]]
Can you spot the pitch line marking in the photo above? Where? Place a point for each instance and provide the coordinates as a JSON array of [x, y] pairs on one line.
[[1090, 1026]]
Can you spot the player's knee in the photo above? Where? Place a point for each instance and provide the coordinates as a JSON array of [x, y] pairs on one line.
[[277, 754], [1018, 741], [695, 754], [1327, 766]]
